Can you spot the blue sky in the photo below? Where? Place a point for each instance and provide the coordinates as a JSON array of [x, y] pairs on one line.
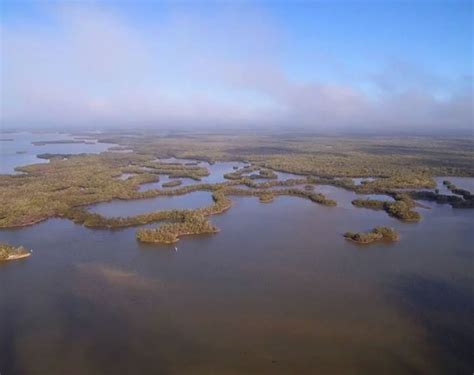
[[341, 64]]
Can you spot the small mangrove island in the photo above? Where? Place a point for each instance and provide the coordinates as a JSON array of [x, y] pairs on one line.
[[401, 209], [376, 234], [68, 184], [9, 252], [191, 223], [172, 183]]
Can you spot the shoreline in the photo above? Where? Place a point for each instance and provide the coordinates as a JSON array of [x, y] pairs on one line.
[[17, 256]]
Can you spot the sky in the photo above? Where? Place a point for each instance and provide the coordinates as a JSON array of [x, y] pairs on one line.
[[322, 65]]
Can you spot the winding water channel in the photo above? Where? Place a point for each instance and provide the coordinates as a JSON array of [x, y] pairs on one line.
[[277, 291]]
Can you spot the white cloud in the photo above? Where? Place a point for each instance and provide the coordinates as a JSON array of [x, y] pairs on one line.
[[97, 67]]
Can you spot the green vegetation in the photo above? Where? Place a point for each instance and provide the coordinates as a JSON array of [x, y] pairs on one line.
[[8, 252], [267, 197], [376, 234], [264, 173], [172, 183], [372, 204], [269, 184], [176, 170], [403, 160], [402, 208], [68, 183], [239, 173], [192, 223]]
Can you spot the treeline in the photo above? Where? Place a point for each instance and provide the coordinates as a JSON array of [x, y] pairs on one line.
[[81, 215], [401, 209], [376, 234], [315, 197], [239, 173], [178, 170], [265, 174], [172, 183], [269, 184]]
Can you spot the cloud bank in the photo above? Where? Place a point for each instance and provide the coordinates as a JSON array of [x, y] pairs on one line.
[[95, 67]]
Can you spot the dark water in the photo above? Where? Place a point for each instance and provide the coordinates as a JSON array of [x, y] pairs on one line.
[[277, 291], [164, 178], [216, 173]]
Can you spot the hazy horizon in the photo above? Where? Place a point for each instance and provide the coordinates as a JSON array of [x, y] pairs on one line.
[[392, 67]]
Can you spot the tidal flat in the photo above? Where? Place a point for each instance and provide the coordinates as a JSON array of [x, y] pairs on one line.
[[278, 290]]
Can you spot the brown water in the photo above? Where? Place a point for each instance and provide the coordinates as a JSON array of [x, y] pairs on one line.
[[277, 291], [197, 199]]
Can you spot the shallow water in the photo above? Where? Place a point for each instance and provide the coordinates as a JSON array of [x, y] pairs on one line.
[[278, 290], [116, 208], [21, 151], [344, 198], [164, 178], [216, 173]]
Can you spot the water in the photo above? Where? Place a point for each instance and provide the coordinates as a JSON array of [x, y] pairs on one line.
[[196, 199], [21, 151], [216, 173], [163, 179], [466, 183], [344, 198], [278, 290]]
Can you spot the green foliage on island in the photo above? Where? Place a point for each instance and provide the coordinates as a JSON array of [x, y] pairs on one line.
[[66, 185], [9, 252], [267, 197], [315, 197], [269, 184], [401, 209], [373, 204], [176, 170], [192, 223], [314, 154], [239, 173], [376, 234], [264, 173], [172, 183]]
